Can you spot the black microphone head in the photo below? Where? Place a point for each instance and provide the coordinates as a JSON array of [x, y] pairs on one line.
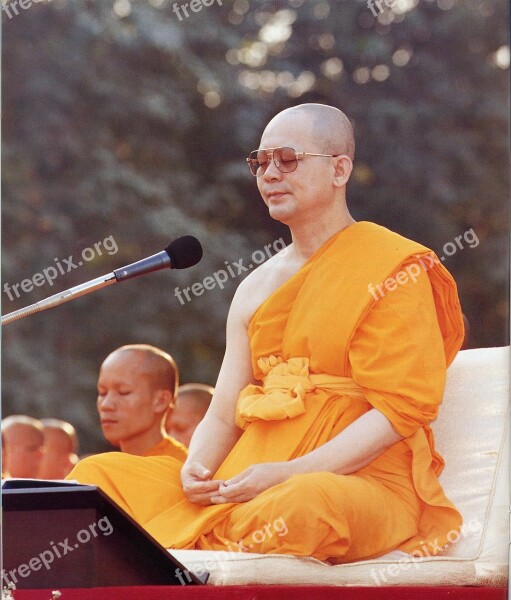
[[184, 252]]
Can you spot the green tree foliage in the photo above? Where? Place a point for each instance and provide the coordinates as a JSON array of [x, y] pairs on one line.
[[121, 120]]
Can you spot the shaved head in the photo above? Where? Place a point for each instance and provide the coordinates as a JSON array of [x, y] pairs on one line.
[[192, 403], [29, 429], [24, 440], [60, 435], [136, 385], [60, 448], [330, 127], [314, 183], [199, 394], [151, 362]]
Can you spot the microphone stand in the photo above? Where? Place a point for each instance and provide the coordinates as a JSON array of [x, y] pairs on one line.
[[60, 298], [182, 253]]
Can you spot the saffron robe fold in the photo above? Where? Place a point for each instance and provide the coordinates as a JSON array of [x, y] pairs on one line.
[[326, 349], [168, 446]]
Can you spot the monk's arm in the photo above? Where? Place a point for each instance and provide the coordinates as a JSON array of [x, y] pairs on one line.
[[217, 433], [352, 449]]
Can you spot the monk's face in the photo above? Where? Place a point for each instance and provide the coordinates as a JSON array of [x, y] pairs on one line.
[[24, 450], [127, 401], [298, 195], [182, 421]]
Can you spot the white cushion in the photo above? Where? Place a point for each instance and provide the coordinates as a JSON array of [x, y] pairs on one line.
[[471, 433]]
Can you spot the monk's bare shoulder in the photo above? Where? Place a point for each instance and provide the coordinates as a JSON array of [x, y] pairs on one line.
[[262, 282]]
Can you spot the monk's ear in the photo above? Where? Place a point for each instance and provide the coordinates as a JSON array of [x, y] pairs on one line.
[[161, 401], [343, 167]]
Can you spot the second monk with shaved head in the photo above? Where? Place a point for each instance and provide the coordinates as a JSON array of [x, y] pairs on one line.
[[137, 384], [335, 365]]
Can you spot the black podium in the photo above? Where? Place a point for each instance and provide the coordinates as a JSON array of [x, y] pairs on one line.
[[70, 535]]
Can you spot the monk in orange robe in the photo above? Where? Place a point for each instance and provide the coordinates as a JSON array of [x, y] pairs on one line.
[[191, 404], [317, 441], [136, 386]]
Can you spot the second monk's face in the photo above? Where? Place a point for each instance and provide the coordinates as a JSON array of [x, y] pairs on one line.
[[125, 398]]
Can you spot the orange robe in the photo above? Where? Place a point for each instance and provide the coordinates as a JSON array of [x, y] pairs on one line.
[[326, 349], [168, 446]]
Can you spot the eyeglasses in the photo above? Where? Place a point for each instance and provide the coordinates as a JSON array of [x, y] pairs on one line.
[[285, 159]]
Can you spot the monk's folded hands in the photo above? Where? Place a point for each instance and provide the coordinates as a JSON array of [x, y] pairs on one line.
[[252, 481], [198, 486]]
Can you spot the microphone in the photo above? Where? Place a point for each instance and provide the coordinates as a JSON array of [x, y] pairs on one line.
[[182, 253]]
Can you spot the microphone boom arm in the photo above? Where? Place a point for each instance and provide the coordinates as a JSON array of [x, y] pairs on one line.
[[60, 298], [182, 253]]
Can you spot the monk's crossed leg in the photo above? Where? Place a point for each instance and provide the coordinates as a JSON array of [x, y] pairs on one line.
[[318, 514]]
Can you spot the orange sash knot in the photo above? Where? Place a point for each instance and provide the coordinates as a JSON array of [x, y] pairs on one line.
[[285, 385]]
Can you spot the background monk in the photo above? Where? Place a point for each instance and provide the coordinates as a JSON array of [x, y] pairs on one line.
[[321, 409], [191, 404], [60, 449], [136, 385], [23, 437]]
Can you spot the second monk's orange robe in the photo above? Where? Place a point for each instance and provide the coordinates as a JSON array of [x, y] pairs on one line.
[[326, 349], [168, 446]]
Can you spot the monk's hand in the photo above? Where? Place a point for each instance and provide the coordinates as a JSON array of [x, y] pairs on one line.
[[198, 486], [251, 482]]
